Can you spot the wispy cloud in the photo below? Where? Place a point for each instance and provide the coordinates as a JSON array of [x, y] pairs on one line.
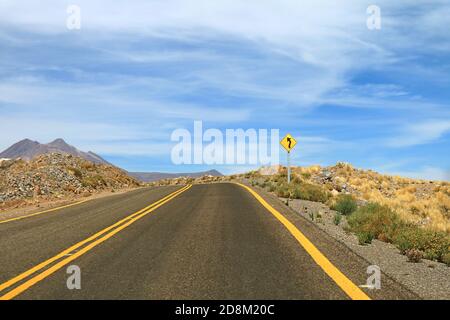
[[420, 133]]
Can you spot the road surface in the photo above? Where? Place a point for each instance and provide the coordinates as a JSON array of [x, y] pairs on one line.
[[215, 241]]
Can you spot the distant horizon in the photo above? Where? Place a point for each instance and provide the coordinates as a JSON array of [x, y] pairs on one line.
[[201, 168]]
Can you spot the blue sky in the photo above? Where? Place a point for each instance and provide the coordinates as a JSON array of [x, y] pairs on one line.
[[137, 70]]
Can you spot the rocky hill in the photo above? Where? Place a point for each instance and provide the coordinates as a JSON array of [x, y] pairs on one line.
[[420, 201], [55, 176], [28, 150]]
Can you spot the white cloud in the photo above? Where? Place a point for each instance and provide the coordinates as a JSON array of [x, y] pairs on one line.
[[420, 133], [325, 40]]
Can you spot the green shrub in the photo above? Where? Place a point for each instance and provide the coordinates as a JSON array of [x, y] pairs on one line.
[[271, 187], [434, 244], [307, 191], [377, 220], [319, 217], [364, 237], [337, 218], [345, 204], [296, 193], [404, 240]]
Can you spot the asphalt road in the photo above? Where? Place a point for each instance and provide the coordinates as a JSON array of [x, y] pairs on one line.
[[207, 242]]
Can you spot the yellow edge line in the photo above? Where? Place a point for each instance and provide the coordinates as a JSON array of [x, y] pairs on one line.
[[42, 265], [351, 289], [46, 211]]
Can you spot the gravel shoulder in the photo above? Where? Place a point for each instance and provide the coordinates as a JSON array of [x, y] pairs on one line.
[[427, 279]]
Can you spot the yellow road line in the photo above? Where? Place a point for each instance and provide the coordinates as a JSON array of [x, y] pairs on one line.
[[46, 211], [79, 244], [120, 224], [351, 289]]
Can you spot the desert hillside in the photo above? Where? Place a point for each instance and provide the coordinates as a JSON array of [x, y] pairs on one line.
[[419, 201], [413, 215], [56, 176], [422, 202]]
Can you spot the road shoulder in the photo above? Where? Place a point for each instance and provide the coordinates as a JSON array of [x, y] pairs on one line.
[[352, 264]]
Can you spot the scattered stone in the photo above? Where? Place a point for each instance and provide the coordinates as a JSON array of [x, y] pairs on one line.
[[56, 176]]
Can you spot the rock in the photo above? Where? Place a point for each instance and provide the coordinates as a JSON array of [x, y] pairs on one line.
[[334, 193]]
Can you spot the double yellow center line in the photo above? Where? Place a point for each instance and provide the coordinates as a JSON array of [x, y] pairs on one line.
[[77, 250]]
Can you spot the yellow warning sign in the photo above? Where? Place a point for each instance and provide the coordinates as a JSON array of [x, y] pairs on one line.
[[288, 142]]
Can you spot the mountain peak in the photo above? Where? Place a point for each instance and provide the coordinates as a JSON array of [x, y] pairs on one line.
[[214, 172], [28, 149], [27, 141], [58, 141]]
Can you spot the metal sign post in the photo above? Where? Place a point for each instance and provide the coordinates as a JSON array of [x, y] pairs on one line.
[[289, 166], [288, 143]]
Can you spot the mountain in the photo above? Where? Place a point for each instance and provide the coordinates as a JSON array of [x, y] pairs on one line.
[[28, 150], [154, 176]]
